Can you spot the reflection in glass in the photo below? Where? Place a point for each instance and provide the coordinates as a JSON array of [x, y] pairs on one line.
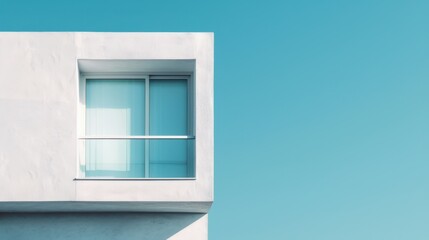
[[168, 107], [171, 158], [117, 158], [115, 107], [125, 158]]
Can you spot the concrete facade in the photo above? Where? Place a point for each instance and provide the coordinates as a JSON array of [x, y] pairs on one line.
[[40, 127]]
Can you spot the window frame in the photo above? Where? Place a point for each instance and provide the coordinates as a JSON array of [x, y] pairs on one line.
[[147, 76]]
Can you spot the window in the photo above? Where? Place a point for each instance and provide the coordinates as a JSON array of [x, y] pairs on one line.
[[138, 127]]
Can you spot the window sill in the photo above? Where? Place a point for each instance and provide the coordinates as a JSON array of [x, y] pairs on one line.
[[134, 179]]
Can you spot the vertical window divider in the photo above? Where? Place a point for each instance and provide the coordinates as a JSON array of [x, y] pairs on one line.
[[146, 129], [189, 123]]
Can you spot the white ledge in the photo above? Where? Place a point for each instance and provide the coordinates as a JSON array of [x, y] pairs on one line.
[[134, 179]]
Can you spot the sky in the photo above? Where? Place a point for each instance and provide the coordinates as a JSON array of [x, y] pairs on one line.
[[321, 108]]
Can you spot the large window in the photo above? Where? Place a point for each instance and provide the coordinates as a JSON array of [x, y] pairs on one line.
[[138, 127]]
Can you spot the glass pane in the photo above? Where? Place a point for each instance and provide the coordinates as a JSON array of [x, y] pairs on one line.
[[115, 107], [118, 158], [171, 158], [168, 107]]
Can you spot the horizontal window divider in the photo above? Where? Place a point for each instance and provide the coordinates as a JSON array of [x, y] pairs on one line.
[[135, 75], [137, 137]]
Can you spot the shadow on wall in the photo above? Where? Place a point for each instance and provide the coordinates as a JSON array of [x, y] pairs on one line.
[[94, 226]]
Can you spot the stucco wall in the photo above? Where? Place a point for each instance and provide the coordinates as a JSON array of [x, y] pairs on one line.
[[39, 81]]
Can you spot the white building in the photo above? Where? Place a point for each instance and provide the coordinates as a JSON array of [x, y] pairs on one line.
[[106, 135]]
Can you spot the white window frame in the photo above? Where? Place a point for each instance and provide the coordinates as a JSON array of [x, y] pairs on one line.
[[146, 77]]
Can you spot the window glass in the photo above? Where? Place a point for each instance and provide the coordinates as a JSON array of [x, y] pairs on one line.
[[115, 158], [115, 107], [168, 107], [116, 142], [171, 158]]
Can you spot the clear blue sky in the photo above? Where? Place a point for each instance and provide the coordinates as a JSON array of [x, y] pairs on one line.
[[322, 108]]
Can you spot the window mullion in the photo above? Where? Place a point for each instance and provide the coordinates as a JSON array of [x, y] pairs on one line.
[[146, 129]]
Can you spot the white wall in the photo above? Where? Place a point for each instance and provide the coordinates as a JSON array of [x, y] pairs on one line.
[[38, 123]]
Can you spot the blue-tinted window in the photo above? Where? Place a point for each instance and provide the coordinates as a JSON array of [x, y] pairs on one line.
[[168, 107], [117, 143], [115, 107]]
